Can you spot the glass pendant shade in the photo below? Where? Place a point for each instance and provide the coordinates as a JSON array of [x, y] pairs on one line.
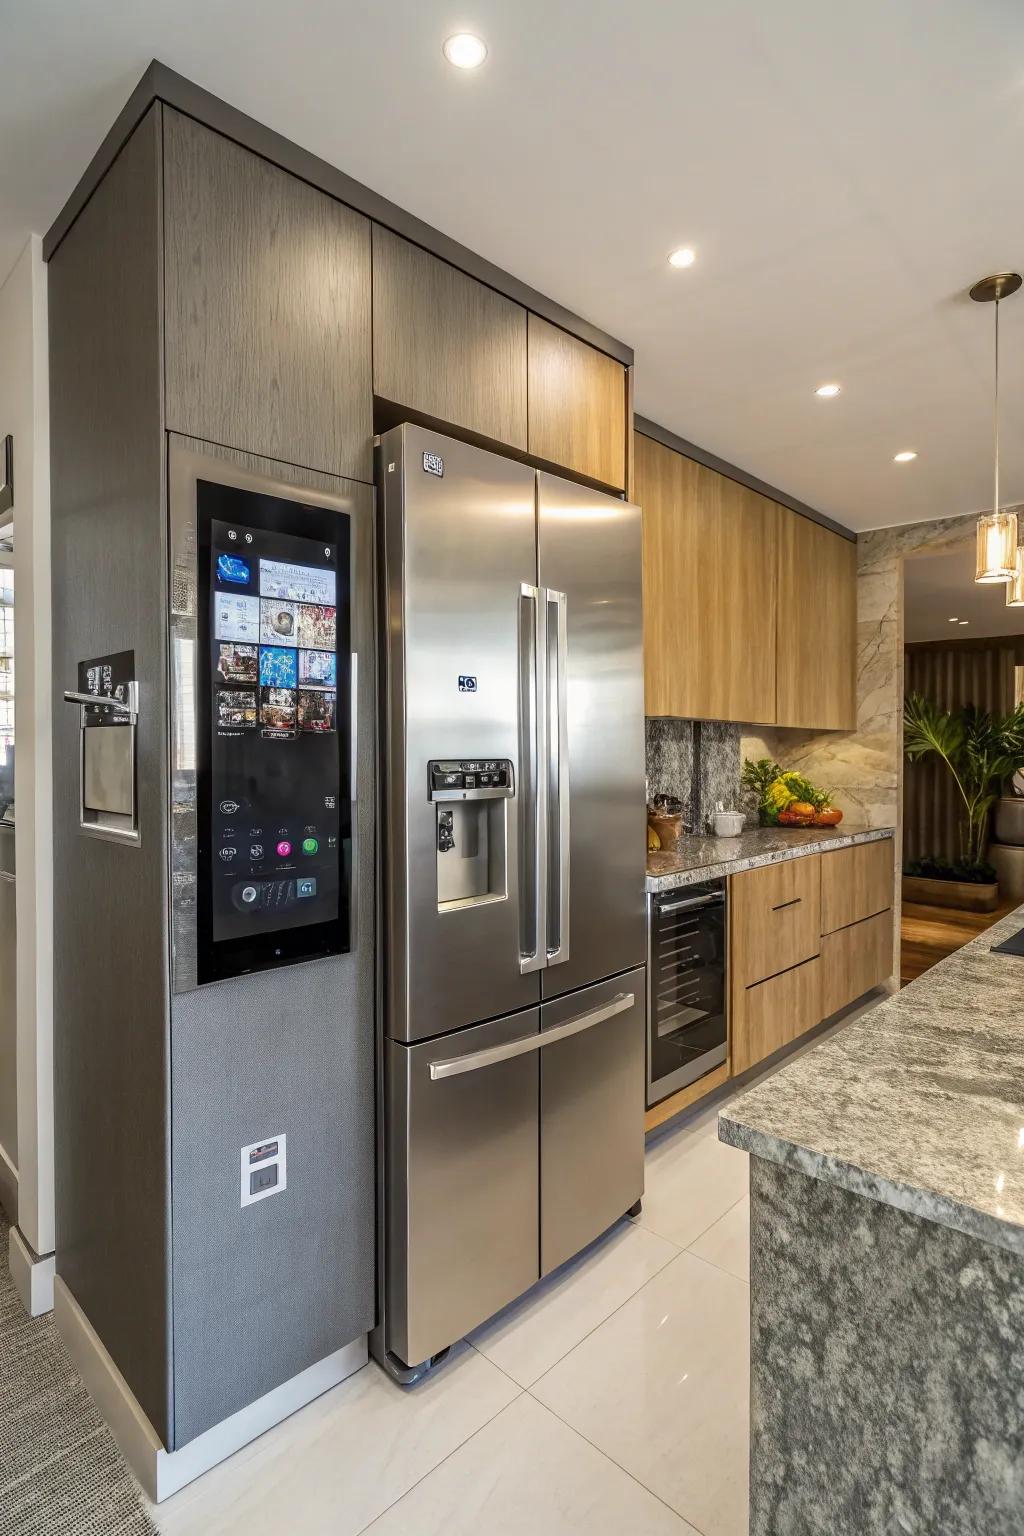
[[1015, 585], [997, 547]]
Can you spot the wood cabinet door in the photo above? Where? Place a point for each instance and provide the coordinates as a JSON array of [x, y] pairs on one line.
[[577, 405], [710, 564], [267, 308], [446, 345], [817, 632], [856, 883], [769, 1015], [854, 960], [774, 918]]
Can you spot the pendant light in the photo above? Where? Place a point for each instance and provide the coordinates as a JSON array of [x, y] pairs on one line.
[[997, 531]]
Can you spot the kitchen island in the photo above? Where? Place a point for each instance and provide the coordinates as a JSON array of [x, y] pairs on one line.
[[887, 1264]]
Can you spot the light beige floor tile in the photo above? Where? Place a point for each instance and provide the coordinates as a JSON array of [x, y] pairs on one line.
[[691, 1180], [727, 1243], [662, 1388], [336, 1464], [528, 1474], [531, 1335]]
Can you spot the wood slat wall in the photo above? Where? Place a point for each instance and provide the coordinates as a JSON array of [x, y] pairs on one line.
[[953, 676]]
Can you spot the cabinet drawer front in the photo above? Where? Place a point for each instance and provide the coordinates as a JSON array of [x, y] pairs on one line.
[[854, 960], [769, 1015], [855, 883], [774, 918]]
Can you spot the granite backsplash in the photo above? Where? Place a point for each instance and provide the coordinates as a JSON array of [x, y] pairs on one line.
[[698, 762]]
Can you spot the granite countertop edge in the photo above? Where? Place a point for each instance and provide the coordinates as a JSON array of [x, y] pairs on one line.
[[926, 1203], [773, 852]]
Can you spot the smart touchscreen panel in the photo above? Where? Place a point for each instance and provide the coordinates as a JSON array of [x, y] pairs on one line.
[[273, 797]]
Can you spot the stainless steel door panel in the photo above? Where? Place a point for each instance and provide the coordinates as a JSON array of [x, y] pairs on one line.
[[463, 1178], [591, 1117], [589, 549], [459, 546]]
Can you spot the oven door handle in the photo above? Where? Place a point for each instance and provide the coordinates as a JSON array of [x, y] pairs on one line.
[[455, 1066]]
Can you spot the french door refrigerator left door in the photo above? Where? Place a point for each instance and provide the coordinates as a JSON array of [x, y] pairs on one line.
[[271, 901]]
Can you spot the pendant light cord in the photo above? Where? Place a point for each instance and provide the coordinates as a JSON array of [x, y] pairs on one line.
[[995, 499]]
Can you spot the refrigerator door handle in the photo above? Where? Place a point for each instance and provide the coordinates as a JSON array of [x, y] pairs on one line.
[[533, 783], [455, 1066], [558, 792]]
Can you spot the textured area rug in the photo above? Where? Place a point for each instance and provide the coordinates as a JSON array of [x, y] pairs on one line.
[[60, 1472]]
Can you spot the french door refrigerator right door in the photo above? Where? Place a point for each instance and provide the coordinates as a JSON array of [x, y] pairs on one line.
[[589, 567]]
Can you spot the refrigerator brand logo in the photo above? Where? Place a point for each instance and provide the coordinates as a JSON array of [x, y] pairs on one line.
[[467, 685], [433, 464]]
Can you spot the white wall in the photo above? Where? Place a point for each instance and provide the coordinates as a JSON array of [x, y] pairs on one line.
[[24, 412]]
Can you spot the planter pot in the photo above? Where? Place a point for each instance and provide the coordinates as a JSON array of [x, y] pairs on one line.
[[1008, 861], [1009, 820], [965, 894]]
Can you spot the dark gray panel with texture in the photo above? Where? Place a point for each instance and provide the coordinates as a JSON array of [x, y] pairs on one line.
[[263, 1292], [110, 900], [267, 305]]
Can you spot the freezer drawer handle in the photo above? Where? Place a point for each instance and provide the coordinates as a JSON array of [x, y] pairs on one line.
[[457, 1065]]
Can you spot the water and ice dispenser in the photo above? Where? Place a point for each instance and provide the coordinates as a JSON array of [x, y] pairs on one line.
[[469, 797]]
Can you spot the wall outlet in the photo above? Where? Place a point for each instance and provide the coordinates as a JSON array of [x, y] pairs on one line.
[[264, 1169]]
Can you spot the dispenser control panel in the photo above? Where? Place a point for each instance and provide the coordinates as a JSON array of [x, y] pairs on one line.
[[461, 778], [275, 701]]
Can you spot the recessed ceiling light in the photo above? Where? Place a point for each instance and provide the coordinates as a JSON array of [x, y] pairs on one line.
[[963, 621], [954, 620], [465, 51], [683, 257], [904, 457], [828, 391]]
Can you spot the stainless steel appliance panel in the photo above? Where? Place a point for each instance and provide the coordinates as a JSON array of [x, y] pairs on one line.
[[461, 1147], [589, 551], [591, 1115], [459, 545]]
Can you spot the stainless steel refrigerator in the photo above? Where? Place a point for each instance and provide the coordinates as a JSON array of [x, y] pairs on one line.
[[513, 862]]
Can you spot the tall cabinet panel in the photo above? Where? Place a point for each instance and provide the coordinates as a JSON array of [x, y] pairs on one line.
[[267, 308], [709, 590], [577, 405], [817, 626], [446, 345]]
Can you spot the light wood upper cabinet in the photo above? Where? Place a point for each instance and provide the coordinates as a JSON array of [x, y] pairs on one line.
[[817, 651], [446, 345], [709, 590], [577, 410], [267, 307]]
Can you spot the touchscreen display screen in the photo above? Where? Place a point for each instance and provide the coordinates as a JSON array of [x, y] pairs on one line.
[[273, 793]]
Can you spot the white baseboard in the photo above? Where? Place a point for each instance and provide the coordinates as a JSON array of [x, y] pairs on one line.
[[32, 1275], [162, 1472], [8, 1187]]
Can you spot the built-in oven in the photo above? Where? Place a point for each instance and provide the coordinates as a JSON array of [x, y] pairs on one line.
[[687, 986]]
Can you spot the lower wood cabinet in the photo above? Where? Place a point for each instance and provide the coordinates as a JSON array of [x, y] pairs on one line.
[[774, 918], [854, 960], [769, 1015], [856, 883]]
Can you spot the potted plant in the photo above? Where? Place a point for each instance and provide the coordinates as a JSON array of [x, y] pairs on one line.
[[981, 751]]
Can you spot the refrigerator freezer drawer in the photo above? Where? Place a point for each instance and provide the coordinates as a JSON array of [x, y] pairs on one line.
[[463, 1174], [591, 1116]]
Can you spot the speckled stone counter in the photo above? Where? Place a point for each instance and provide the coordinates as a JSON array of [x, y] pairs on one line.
[[887, 1264], [707, 858]]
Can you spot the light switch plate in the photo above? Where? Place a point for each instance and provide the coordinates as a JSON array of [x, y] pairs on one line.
[[270, 1152]]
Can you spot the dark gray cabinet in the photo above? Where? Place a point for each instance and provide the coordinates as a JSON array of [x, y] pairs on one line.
[[267, 307]]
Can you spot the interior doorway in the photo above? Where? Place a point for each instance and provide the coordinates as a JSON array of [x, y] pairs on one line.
[[963, 661]]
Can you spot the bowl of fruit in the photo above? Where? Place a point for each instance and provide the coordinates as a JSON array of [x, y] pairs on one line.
[[786, 798]]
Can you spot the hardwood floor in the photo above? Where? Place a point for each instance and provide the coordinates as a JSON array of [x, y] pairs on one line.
[[929, 934]]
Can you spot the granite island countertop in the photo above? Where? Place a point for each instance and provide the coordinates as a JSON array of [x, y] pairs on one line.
[[707, 858], [919, 1104]]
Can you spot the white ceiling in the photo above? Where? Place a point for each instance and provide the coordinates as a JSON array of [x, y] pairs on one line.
[[938, 588], [844, 171]]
